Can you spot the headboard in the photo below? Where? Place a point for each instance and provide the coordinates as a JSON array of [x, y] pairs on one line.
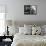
[[21, 23]]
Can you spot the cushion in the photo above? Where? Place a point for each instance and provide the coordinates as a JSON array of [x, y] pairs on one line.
[[44, 26], [36, 30], [44, 29], [24, 30], [21, 30], [13, 30], [28, 26], [28, 31]]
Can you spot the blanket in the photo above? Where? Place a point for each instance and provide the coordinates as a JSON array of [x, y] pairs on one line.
[[29, 40]]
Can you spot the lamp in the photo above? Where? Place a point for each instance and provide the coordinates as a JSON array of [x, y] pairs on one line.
[[8, 23]]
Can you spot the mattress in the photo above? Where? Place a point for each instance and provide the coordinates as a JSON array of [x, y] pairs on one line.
[[28, 40]]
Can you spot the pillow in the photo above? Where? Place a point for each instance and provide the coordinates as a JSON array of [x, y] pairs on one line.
[[28, 31], [21, 30], [36, 30], [28, 26], [13, 30], [44, 29], [24, 30]]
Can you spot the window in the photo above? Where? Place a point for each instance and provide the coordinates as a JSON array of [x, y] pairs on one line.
[[2, 19]]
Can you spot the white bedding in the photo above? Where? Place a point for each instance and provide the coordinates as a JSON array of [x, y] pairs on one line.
[[29, 40]]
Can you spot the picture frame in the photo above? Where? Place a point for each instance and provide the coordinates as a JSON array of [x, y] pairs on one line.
[[30, 9]]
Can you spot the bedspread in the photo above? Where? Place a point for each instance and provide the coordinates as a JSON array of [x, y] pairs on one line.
[[29, 40]]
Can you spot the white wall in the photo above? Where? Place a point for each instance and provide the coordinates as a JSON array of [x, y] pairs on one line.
[[15, 9]]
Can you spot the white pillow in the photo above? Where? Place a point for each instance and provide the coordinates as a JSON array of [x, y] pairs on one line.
[[13, 30], [44, 29], [44, 26], [36, 30], [21, 30], [24, 30], [28, 26], [28, 31]]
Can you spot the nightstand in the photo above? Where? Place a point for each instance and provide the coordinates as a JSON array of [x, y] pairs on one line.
[[7, 43], [4, 40]]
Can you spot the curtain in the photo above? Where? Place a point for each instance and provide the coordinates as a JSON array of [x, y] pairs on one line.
[[2, 19]]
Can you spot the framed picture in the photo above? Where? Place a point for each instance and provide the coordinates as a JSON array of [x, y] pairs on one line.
[[30, 9]]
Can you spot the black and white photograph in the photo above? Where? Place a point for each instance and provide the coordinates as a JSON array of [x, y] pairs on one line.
[[30, 9]]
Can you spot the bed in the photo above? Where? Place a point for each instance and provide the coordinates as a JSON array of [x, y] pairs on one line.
[[29, 40], [21, 39]]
